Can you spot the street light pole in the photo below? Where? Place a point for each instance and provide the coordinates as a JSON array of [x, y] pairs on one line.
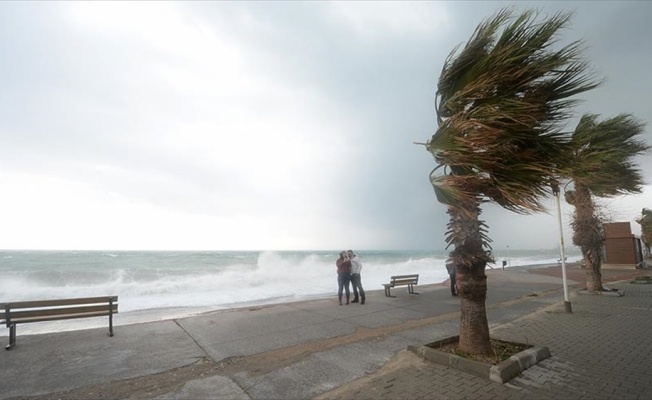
[[567, 303]]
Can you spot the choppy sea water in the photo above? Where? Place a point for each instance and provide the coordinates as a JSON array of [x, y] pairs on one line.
[[167, 284]]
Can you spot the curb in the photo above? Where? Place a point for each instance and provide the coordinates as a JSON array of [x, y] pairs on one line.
[[500, 373], [585, 292]]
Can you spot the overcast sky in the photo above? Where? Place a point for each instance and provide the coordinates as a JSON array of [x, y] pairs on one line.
[[259, 125]]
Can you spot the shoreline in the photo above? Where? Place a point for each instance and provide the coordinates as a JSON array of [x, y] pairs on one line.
[[172, 313]]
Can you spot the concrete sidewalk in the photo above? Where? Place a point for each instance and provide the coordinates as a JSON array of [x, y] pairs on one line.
[[318, 348], [600, 351]]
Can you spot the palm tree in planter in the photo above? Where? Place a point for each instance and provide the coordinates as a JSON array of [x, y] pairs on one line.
[[500, 100], [601, 165], [646, 229]]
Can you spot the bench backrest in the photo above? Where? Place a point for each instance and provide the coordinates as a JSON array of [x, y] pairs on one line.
[[50, 310], [405, 279]]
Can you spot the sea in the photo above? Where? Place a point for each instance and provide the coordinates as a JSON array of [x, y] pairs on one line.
[[158, 285]]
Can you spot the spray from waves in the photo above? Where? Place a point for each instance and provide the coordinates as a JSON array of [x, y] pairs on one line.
[[148, 282], [205, 280]]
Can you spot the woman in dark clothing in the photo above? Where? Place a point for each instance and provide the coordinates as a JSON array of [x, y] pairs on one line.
[[343, 276]]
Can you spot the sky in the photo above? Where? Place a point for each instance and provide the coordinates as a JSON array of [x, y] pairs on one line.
[[261, 125]]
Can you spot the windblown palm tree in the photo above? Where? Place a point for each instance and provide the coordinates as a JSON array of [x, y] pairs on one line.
[[601, 165], [646, 229], [499, 102]]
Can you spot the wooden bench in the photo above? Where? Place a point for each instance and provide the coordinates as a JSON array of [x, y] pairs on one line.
[[402, 280], [22, 312]]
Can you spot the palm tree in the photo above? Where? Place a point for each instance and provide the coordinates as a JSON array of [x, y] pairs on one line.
[[646, 229], [600, 165], [499, 102]]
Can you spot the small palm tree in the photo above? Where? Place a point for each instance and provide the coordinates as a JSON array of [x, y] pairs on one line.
[[600, 165], [646, 229], [499, 102]]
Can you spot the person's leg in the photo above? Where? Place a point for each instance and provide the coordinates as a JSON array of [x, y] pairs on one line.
[[360, 289], [453, 291], [340, 287], [347, 280], [354, 283]]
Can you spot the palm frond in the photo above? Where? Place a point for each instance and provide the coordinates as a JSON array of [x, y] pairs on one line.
[[500, 101], [602, 155], [452, 190]]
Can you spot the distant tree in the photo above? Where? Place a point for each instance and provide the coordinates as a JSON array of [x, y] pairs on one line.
[[646, 229], [600, 164], [500, 100]]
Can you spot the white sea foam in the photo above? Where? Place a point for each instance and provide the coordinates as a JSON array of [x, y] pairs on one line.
[[159, 285]]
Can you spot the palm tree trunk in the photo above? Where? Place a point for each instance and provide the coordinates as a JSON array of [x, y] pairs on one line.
[[470, 261], [587, 234], [593, 275]]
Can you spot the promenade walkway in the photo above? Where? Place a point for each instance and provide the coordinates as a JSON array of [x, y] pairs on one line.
[[603, 350], [317, 349]]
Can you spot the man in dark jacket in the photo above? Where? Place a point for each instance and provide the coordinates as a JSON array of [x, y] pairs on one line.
[[450, 267], [356, 279]]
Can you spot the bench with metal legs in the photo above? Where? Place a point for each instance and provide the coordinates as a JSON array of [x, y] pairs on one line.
[[402, 280], [23, 312]]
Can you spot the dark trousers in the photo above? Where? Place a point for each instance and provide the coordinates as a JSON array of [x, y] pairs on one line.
[[343, 280], [452, 278], [356, 282]]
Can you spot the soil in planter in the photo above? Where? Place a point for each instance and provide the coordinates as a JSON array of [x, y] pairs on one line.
[[500, 351]]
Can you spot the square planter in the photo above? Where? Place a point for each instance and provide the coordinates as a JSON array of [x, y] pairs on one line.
[[500, 373]]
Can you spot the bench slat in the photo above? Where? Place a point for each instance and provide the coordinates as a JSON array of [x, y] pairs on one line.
[[405, 276], [17, 315], [403, 282], [59, 317], [58, 302]]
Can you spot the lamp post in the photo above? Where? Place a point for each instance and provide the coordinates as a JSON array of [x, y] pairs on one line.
[[555, 193]]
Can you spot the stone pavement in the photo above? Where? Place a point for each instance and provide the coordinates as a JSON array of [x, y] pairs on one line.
[[317, 349], [602, 350]]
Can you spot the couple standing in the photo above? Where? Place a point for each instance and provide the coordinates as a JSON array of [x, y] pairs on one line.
[[348, 270]]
